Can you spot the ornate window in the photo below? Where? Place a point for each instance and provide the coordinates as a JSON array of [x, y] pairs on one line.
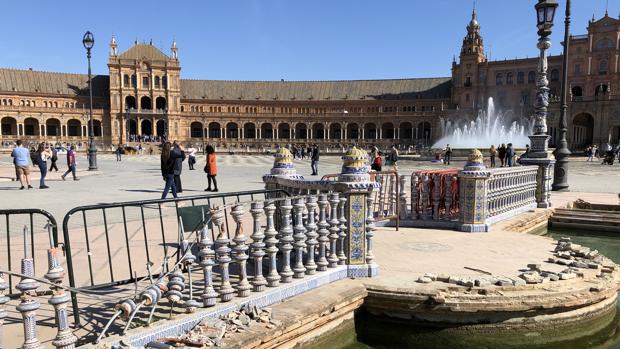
[[157, 79], [499, 79], [126, 80], [520, 77], [145, 82]]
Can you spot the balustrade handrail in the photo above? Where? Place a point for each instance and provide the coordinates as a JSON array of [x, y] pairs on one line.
[[510, 188]]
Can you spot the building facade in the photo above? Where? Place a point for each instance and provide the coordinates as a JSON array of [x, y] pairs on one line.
[[144, 94]]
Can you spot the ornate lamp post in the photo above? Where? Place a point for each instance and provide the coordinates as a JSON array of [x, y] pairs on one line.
[[89, 41], [545, 11], [560, 172]]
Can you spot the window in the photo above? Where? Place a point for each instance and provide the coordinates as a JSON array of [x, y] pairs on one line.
[[126, 80], [157, 82], [134, 80], [520, 77], [578, 69], [164, 82], [531, 77], [604, 44], [602, 67], [145, 82], [499, 79], [468, 81], [555, 75], [509, 78]]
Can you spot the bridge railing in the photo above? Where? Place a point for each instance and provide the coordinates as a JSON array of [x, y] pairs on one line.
[[511, 188]]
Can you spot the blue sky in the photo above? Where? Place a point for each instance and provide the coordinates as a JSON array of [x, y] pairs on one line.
[[274, 39]]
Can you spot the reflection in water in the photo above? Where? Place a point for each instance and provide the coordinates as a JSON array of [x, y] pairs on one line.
[[380, 332]]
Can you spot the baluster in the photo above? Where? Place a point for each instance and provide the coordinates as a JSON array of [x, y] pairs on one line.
[[311, 234], [415, 194], [402, 197], [382, 192], [258, 247], [333, 236], [448, 214], [300, 237], [392, 195], [239, 252], [64, 337], [273, 278], [28, 305], [424, 214], [3, 300], [206, 255], [286, 238], [370, 230], [436, 196], [323, 232], [223, 259], [176, 285], [342, 258]]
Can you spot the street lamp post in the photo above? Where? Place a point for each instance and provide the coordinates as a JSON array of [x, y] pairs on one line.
[[89, 41], [539, 150], [560, 172]]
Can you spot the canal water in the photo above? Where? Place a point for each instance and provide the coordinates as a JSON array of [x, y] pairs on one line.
[[371, 332]]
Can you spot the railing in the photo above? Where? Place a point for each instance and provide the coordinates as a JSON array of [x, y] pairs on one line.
[[386, 197], [114, 243], [20, 227], [510, 188], [435, 195]]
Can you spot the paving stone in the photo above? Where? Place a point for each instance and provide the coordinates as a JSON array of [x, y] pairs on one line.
[[567, 276], [579, 264]]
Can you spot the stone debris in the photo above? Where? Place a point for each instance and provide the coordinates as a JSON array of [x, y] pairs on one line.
[[210, 332], [424, 280], [578, 257]]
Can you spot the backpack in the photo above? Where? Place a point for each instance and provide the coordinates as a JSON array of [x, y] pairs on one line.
[[377, 161]]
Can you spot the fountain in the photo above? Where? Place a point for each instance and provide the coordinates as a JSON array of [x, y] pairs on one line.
[[490, 127]]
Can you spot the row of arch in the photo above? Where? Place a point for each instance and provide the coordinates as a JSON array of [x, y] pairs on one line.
[[599, 90], [145, 103], [508, 78], [52, 127], [158, 82]]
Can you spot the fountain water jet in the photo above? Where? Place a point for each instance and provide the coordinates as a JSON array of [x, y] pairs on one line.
[[490, 127]]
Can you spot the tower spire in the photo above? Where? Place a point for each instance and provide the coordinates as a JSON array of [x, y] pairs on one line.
[[606, 8], [113, 46], [174, 49]]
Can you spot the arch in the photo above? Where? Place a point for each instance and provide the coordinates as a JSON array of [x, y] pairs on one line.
[[335, 131], [130, 102], [146, 127], [74, 128], [145, 103], [301, 131], [531, 77], [576, 91], [284, 131], [132, 126], [370, 131], [583, 130], [195, 130], [8, 126], [555, 75], [406, 130], [266, 131], [215, 130], [31, 127], [318, 131], [52, 127], [387, 131], [249, 130], [160, 103], [353, 131], [160, 128], [96, 128], [232, 130], [424, 132]]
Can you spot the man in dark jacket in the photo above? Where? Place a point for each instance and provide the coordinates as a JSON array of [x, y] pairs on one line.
[[178, 155], [315, 160]]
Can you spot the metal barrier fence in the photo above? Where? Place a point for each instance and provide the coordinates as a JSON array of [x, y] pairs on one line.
[[113, 243], [20, 226], [435, 195]]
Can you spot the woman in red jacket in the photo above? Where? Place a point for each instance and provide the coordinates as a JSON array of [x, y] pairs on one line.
[[211, 168]]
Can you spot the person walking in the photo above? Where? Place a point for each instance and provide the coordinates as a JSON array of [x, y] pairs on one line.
[[21, 158], [167, 164], [43, 153], [447, 155], [119, 152], [211, 169], [71, 163], [191, 161], [394, 157], [54, 158], [178, 155], [590, 154], [492, 154], [510, 154], [314, 164], [501, 153]]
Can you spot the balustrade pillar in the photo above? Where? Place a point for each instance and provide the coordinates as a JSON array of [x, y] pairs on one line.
[[273, 279], [286, 238], [311, 234], [402, 197], [323, 231], [300, 237], [258, 246], [370, 229], [424, 189], [448, 215], [436, 196], [222, 252], [206, 255], [240, 255], [28, 304], [342, 258], [415, 194], [334, 230]]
